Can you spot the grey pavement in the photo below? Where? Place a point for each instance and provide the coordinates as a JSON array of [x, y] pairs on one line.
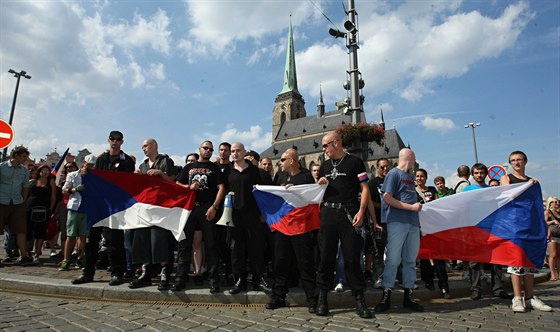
[[25, 312]]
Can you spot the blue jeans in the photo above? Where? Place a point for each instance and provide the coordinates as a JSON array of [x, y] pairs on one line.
[[403, 243]]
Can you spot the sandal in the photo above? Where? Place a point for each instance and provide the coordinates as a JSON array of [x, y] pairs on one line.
[[553, 279]]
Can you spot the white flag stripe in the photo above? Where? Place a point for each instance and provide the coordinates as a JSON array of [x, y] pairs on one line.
[[297, 196], [5, 135], [142, 215], [467, 208]]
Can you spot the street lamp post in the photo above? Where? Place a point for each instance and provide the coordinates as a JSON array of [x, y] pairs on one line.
[[19, 75], [473, 125]]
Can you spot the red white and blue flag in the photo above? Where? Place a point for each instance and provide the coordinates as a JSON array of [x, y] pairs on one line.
[[120, 200], [293, 210], [59, 162], [500, 225]]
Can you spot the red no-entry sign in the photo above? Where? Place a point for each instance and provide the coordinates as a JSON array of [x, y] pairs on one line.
[[496, 172], [6, 134]]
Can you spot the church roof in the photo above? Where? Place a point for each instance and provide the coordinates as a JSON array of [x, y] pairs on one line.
[[305, 134]]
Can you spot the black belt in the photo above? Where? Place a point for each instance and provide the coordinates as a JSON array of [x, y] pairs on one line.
[[339, 205]]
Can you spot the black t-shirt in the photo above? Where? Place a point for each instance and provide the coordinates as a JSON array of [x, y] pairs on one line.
[[375, 185], [427, 195], [241, 183], [344, 179], [302, 177], [208, 174]]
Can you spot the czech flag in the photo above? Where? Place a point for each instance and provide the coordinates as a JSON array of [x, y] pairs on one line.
[[501, 225], [290, 211], [59, 163], [120, 200]]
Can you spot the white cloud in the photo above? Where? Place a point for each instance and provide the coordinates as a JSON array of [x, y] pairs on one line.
[[441, 125], [157, 70]]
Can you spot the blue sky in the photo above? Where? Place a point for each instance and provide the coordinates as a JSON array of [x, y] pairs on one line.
[[185, 71]]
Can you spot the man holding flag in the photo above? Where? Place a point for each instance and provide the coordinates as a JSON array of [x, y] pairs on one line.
[[299, 244], [519, 274], [112, 160]]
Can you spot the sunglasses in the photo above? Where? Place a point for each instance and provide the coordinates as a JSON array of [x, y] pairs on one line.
[[118, 139], [207, 148], [326, 145], [284, 159]]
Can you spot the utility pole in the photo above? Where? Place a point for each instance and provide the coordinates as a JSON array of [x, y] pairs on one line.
[[473, 125], [19, 75]]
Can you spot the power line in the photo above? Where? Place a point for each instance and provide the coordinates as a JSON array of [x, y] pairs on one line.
[[325, 15]]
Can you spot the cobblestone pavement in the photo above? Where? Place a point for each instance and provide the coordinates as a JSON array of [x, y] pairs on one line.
[[24, 312]]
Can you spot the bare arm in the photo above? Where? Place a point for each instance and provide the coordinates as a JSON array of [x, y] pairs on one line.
[[389, 199], [364, 198]]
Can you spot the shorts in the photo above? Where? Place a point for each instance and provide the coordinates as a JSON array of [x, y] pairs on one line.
[[521, 271], [76, 224], [15, 217]]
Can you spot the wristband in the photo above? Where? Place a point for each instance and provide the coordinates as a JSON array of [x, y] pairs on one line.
[[216, 207]]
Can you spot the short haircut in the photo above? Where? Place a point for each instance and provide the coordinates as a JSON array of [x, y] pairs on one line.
[[382, 159], [18, 151], [423, 171], [253, 154], [479, 166], [463, 171], [494, 180], [439, 178], [518, 152], [226, 144]]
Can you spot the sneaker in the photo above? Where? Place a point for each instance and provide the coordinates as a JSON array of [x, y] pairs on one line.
[[475, 295], [517, 304], [64, 265], [82, 280], [339, 287], [24, 261], [36, 260], [445, 294], [536, 303], [79, 264], [54, 253]]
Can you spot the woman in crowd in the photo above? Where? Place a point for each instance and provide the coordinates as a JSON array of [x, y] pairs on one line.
[[42, 198], [429, 266], [552, 217]]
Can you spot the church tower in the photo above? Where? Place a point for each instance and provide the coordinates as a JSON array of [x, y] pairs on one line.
[[289, 103]]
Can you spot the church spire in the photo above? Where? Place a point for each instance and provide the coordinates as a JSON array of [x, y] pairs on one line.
[[382, 123], [290, 76], [321, 105]]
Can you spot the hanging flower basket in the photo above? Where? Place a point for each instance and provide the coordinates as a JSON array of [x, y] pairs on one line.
[[362, 132]]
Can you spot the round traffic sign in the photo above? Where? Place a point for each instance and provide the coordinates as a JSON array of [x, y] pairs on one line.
[[496, 172], [6, 134]]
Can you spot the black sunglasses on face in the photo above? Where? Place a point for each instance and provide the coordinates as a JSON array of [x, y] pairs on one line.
[[207, 148], [118, 139]]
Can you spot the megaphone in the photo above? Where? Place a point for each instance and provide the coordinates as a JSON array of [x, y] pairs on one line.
[[227, 219]]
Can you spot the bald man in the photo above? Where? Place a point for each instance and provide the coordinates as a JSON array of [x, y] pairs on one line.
[[400, 209], [342, 213], [247, 236], [298, 246]]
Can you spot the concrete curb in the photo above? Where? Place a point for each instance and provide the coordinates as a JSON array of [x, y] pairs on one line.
[[100, 290]]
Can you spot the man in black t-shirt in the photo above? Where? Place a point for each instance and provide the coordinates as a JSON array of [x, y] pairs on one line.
[[342, 213], [207, 179], [288, 247], [113, 160]]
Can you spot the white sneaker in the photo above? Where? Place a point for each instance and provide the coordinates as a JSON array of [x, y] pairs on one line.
[[339, 288], [379, 283], [536, 303], [518, 304]]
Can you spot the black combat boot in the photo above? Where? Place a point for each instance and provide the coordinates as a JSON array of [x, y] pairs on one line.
[[164, 278], [409, 301], [385, 303], [322, 304], [240, 285], [361, 307]]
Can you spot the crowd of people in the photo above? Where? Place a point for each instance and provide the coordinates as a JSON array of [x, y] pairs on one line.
[[369, 232]]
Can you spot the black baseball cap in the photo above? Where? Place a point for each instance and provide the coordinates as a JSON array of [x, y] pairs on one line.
[[116, 133]]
